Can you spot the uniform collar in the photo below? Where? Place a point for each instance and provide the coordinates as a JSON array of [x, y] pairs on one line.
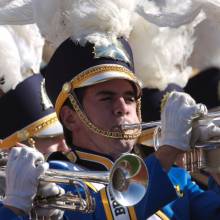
[[89, 157]]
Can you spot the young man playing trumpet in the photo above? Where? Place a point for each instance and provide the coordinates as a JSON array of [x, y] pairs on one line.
[[92, 106], [92, 83]]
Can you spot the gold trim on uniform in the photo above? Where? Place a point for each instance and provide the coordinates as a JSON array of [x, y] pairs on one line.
[[106, 205], [178, 191], [29, 131], [95, 158], [71, 156], [162, 215], [82, 77], [91, 186], [132, 213]]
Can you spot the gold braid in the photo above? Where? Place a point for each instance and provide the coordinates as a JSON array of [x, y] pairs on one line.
[[119, 135]]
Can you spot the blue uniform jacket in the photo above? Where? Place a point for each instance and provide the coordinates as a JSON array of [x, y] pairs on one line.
[[184, 198]]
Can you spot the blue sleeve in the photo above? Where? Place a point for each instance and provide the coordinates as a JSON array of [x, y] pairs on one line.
[[194, 203], [203, 204], [207, 205], [160, 190], [7, 214]]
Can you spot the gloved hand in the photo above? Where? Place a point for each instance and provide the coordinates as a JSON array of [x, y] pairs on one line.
[[176, 119], [24, 167], [46, 190]]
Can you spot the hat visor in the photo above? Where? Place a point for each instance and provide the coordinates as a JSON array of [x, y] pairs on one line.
[[111, 75]]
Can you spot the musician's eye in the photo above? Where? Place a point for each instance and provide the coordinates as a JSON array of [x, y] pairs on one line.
[[106, 98], [130, 99]]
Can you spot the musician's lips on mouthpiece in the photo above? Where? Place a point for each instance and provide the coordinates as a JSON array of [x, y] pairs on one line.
[[119, 127]]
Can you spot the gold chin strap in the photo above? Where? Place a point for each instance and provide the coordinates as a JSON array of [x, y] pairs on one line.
[[126, 135], [139, 109]]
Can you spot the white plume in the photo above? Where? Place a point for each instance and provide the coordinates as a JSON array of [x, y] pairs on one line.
[[58, 19], [161, 32], [206, 50], [16, 12], [21, 54], [10, 74], [93, 19], [161, 54], [169, 13], [30, 45]]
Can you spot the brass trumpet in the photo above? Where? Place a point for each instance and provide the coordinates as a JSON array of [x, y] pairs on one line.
[[153, 124], [204, 156], [127, 182]]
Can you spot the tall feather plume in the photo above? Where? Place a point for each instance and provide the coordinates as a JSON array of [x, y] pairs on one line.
[[16, 12], [169, 13], [30, 45], [101, 21], [10, 74], [59, 20], [161, 53], [21, 54], [161, 32], [206, 51]]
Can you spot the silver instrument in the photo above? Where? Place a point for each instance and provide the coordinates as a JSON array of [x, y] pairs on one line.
[[3, 158], [127, 182], [203, 156], [153, 124]]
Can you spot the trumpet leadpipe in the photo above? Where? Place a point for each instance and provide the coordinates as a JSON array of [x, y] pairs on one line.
[[61, 176], [153, 124]]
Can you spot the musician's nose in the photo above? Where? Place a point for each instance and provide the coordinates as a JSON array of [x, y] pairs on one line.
[[120, 107]]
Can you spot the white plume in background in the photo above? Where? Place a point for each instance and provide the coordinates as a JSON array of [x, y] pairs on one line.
[[169, 13], [16, 12], [59, 20], [10, 74], [161, 53], [161, 32], [207, 46], [21, 54], [30, 45], [50, 16], [91, 20]]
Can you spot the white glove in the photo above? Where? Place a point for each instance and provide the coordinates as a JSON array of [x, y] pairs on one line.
[[176, 119], [204, 130], [24, 167], [46, 190]]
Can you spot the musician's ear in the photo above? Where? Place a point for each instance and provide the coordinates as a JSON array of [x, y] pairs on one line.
[[68, 117]]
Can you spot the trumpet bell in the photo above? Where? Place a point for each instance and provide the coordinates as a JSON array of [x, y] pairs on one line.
[[129, 180]]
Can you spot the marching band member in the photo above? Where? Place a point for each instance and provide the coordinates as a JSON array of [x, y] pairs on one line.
[[92, 83], [27, 114], [32, 117]]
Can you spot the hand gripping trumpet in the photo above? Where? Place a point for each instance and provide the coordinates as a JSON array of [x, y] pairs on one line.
[[203, 156], [127, 182]]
